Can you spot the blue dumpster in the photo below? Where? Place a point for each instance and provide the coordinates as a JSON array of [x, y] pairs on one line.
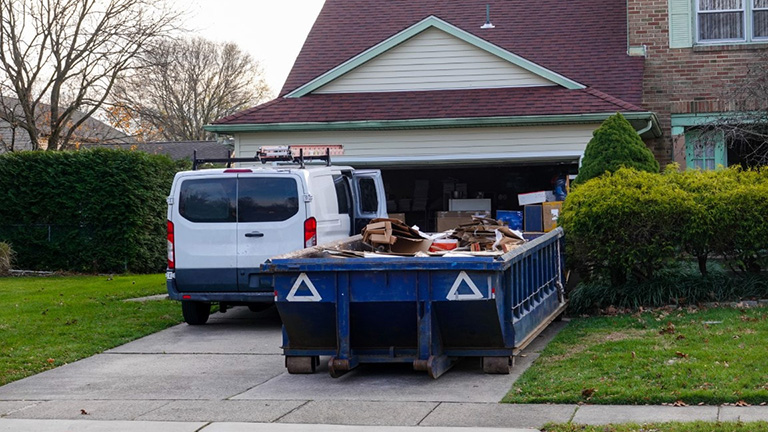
[[428, 311]]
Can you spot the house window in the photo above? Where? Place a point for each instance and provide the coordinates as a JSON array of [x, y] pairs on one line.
[[704, 150], [731, 20]]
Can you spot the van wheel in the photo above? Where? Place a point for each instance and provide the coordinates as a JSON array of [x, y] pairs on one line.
[[195, 313], [258, 307]]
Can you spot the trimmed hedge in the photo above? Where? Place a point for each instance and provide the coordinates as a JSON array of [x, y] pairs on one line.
[[96, 210], [630, 224]]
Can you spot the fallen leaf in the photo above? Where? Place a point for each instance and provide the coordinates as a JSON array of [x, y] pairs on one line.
[[701, 403], [633, 354], [681, 355], [83, 412], [669, 329], [741, 403], [50, 360], [587, 393], [680, 337], [679, 403]]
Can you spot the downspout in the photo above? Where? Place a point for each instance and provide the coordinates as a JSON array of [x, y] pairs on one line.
[[647, 128]]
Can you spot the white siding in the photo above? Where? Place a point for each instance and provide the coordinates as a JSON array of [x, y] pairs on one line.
[[433, 60], [429, 146]]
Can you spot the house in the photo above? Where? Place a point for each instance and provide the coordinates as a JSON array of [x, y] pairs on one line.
[[483, 100], [696, 52], [15, 138]]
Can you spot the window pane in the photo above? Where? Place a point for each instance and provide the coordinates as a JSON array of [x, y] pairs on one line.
[[710, 164], [369, 201], [706, 5], [761, 24], [211, 200], [699, 163], [759, 4], [267, 199], [717, 26], [709, 150], [342, 193]]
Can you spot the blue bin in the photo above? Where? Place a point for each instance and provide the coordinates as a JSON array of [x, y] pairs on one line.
[[514, 219], [426, 311]]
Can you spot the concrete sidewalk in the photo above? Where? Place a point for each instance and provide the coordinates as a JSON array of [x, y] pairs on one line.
[[229, 376]]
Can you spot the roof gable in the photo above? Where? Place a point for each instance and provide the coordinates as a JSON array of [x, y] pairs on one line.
[[439, 71]]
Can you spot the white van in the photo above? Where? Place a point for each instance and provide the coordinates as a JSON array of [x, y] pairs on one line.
[[224, 223]]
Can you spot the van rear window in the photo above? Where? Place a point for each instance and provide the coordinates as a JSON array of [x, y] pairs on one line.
[[208, 200], [267, 199]]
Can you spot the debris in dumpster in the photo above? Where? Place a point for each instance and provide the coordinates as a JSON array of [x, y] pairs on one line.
[[394, 236], [391, 238], [486, 234]]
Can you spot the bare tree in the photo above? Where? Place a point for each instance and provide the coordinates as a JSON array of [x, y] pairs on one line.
[[188, 83], [60, 59], [744, 127]]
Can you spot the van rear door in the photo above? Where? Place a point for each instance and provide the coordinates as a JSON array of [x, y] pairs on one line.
[[271, 215], [205, 226], [369, 198]]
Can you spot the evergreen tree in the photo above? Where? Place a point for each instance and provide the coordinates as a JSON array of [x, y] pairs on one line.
[[615, 144]]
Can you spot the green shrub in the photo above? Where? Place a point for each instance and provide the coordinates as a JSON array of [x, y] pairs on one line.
[[6, 258], [91, 211], [672, 286], [625, 224], [615, 144], [728, 218]]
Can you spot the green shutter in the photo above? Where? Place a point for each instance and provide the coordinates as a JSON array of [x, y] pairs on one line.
[[721, 156], [680, 20]]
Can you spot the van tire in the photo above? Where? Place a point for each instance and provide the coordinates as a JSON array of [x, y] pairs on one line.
[[195, 313]]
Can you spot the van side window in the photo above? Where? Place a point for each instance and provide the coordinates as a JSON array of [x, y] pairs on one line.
[[369, 201], [208, 200], [342, 193], [267, 199]]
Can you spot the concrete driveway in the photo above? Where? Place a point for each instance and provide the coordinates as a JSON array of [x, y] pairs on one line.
[[231, 370]]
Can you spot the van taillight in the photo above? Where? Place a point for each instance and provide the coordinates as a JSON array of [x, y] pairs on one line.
[[310, 232], [171, 248]]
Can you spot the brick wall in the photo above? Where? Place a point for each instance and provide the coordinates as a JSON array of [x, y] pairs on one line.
[[682, 80]]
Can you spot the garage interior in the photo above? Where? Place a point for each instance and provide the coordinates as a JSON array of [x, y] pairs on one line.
[[420, 194]]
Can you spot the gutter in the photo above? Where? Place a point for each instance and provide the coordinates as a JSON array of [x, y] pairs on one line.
[[439, 123]]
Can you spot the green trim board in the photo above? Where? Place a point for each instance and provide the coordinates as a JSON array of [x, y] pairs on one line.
[[683, 120], [431, 22], [437, 123]]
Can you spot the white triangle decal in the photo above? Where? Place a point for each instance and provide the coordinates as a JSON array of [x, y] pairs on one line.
[[453, 294], [314, 297]]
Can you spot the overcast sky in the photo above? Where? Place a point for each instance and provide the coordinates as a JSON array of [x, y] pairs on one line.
[[272, 31]]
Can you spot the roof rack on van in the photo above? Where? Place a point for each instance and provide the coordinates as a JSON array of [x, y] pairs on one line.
[[267, 154]]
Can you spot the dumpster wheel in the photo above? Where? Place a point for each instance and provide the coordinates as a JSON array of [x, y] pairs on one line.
[[497, 365], [302, 365]]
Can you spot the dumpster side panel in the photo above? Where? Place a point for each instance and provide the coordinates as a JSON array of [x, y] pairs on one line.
[[536, 285]]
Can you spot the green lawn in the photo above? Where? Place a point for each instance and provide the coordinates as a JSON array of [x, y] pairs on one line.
[[663, 427], [50, 321], [710, 356]]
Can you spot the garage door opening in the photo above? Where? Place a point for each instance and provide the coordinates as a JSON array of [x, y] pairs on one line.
[[419, 194]]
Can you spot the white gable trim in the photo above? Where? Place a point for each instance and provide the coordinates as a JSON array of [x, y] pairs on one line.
[[416, 29]]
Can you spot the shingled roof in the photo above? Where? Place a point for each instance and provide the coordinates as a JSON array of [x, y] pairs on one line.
[[582, 40]]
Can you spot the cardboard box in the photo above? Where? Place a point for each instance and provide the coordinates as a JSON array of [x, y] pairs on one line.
[[550, 212], [483, 204], [452, 219], [398, 216], [532, 218], [535, 197]]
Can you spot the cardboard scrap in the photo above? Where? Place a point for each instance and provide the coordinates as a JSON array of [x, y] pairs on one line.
[[485, 234], [394, 236]]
